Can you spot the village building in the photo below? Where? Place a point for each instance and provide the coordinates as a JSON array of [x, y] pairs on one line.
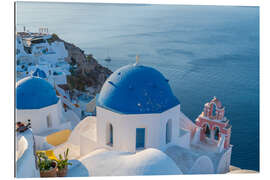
[[137, 117]]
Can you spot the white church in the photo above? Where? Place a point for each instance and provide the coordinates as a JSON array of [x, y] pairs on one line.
[[138, 129], [37, 102]]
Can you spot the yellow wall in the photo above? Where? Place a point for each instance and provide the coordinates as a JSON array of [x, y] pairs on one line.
[[58, 137]]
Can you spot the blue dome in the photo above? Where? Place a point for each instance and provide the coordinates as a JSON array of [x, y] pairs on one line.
[[34, 93], [137, 89], [40, 73]]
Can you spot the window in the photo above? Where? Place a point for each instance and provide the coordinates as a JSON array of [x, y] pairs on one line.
[[168, 131], [49, 121], [110, 135]]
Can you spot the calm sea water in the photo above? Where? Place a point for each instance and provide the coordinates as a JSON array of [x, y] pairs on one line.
[[204, 51]]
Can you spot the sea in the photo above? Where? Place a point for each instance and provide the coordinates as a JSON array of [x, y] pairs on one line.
[[204, 51]]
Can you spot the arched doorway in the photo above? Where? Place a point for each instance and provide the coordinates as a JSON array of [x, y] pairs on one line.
[[168, 131]]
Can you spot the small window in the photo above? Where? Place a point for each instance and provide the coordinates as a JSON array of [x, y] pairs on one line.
[[49, 121], [168, 131], [110, 135]]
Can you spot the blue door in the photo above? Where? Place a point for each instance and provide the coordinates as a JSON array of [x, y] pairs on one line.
[[140, 137]]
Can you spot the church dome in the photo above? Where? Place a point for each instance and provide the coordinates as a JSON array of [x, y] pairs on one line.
[[34, 93], [40, 73], [137, 89]]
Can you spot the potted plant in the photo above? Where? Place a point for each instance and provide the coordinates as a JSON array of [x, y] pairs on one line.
[[47, 167], [62, 164]]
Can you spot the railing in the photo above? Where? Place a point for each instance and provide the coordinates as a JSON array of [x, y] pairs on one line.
[[62, 93]]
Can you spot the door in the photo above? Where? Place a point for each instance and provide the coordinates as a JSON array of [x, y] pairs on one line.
[[140, 138]]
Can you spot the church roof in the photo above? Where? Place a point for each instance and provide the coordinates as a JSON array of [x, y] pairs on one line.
[[137, 89], [34, 93]]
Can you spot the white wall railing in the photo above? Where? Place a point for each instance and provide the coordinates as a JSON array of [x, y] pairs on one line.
[[75, 109]]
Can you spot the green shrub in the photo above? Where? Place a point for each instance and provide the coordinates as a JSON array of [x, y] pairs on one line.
[[63, 162], [44, 163]]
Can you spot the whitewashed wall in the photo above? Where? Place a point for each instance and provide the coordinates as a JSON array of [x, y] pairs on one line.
[[38, 117], [186, 123], [124, 128], [25, 164], [183, 140], [86, 145], [203, 165], [224, 162]]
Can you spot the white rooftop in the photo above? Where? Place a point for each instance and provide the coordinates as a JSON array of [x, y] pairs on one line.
[[111, 163]]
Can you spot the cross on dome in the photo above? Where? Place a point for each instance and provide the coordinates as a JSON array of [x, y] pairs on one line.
[[137, 60]]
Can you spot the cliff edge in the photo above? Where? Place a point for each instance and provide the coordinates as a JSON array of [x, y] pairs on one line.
[[237, 170], [86, 73]]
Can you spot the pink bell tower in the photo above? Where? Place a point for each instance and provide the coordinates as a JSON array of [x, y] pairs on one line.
[[214, 127]]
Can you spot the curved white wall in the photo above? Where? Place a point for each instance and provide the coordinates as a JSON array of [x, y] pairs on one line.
[[124, 128], [38, 117], [203, 165], [224, 162], [25, 159]]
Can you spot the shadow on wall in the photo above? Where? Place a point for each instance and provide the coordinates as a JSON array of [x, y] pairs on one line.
[[77, 169]]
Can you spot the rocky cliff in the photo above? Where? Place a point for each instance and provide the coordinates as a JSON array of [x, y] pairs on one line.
[[86, 73], [236, 170]]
